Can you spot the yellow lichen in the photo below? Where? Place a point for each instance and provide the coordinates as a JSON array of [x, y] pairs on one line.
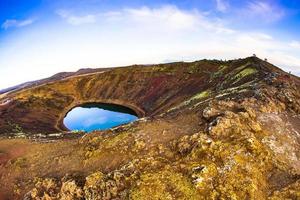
[[165, 184]]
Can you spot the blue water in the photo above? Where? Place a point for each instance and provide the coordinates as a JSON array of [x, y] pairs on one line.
[[90, 118]]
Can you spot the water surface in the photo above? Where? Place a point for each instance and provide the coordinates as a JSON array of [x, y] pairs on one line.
[[92, 117]]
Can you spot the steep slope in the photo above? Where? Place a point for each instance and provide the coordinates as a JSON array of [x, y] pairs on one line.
[[208, 130], [148, 90]]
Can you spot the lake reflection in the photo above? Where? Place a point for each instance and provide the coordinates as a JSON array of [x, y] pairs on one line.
[[92, 117]]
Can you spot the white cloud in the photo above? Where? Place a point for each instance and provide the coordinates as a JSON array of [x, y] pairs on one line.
[[9, 23], [295, 44], [170, 18], [94, 121], [76, 20], [262, 10], [167, 16], [222, 5], [136, 35]]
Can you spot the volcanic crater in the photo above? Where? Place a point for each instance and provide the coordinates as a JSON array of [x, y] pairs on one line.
[[207, 129]]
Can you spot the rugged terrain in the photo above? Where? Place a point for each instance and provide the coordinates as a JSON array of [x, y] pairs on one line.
[[207, 130]]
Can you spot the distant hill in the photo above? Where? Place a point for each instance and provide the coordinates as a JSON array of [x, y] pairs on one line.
[[56, 77]]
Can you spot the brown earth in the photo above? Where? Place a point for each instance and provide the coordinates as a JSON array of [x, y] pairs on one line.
[[208, 130]]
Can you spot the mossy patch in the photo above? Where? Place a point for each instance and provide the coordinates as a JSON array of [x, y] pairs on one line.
[[16, 128], [195, 68], [222, 68], [245, 72], [163, 68], [218, 74], [201, 95], [165, 184]]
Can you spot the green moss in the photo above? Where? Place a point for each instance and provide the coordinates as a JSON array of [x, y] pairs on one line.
[[198, 96], [232, 75], [201, 95], [165, 184], [245, 72], [222, 68], [218, 73], [163, 68], [194, 68], [160, 68], [241, 67], [16, 128]]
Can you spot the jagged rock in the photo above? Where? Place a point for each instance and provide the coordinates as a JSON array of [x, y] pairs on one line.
[[210, 112], [98, 186], [47, 189], [70, 191]]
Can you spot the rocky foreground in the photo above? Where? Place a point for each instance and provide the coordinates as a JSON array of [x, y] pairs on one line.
[[207, 130]]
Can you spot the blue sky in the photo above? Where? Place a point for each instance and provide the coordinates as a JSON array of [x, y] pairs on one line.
[[39, 38]]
